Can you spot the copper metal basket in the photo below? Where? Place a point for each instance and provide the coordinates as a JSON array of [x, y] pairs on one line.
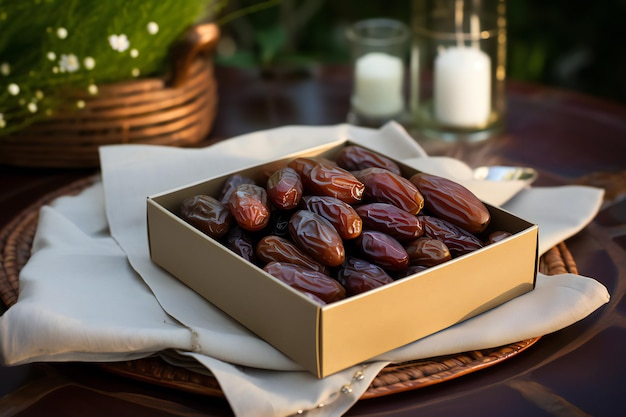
[[176, 109]]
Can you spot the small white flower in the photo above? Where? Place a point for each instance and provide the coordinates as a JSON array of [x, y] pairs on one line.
[[153, 28], [89, 63], [92, 89], [134, 53], [55, 70], [32, 107], [62, 33], [5, 68], [3, 123], [39, 94], [119, 43], [13, 89], [69, 63], [135, 72], [80, 104], [51, 56]]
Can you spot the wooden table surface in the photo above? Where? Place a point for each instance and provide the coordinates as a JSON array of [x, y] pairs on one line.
[[569, 138]]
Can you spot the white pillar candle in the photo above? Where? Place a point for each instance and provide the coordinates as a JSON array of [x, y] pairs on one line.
[[378, 85], [462, 88]]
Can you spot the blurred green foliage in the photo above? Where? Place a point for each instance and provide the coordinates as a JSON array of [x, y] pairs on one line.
[[574, 44], [48, 47]]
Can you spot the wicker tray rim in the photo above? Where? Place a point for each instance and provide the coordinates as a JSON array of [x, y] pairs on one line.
[[16, 240]]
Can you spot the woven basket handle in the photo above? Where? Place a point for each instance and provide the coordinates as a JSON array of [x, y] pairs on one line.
[[200, 40]]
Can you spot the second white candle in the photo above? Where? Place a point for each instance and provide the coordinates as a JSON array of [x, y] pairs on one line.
[[462, 87]]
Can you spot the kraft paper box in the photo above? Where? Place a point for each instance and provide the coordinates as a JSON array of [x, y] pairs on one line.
[[326, 339]]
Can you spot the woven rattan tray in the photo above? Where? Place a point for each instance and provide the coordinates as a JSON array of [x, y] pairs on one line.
[[175, 109], [15, 244]]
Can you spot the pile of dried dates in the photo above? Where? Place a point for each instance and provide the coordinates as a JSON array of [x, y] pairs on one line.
[[333, 229]]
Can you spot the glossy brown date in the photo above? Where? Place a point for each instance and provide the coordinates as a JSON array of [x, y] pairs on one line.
[[284, 188], [391, 220], [278, 249], [314, 297], [412, 269], [304, 166], [316, 236], [322, 178], [459, 241], [307, 281], [207, 214], [358, 276], [355, 158], [383, 250], [231, 184], [451, 201], [383, 186], [238, 241], [250, 207], [497, 236], [339, 213], [427, 252]]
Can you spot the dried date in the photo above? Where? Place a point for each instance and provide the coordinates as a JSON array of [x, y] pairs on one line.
[[453, 202], [284, 188], [322, 178], [339, 213], [412, 269], [391, 220], [383, 250], [231, 184], [317, 237], [250, 207], [497, 236], [277, 249], [427, 252], [355, 158], [384, 186], [358, 276], [238, 241], [459, 241], [207, 214], [314, 297], [304, 166], [307, 281]]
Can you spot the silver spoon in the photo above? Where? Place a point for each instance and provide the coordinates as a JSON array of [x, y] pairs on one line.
[[505, 173]]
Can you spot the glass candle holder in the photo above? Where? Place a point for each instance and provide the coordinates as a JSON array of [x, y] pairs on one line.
[[379, 54], [458, 61]]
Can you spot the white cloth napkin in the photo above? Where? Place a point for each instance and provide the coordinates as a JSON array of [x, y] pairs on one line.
[[91, 293]]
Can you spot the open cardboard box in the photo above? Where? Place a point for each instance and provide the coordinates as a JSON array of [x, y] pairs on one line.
[[326, 339]]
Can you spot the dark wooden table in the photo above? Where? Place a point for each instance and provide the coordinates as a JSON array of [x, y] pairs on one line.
[[569, 138]]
